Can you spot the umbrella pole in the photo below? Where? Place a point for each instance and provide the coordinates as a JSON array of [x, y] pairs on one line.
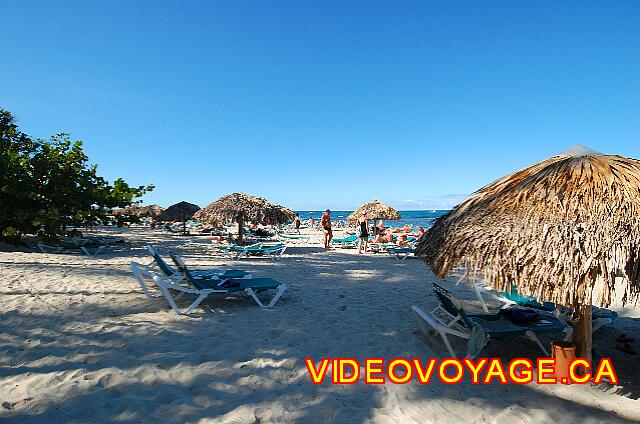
[[240, 232], [583, 331]]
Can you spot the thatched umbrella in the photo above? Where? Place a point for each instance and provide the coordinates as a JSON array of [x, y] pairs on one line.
[[151, 211], [375, 210], [240, 207], [181, 211], [563, 230]]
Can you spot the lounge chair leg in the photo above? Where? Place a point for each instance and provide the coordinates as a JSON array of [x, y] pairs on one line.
[[279, 292], [138, 275], [281, 289], [203, 295], [276, 255], [99, 250], [447, 344], [196, 302], [532, 336], [484, 305], [253, 294]]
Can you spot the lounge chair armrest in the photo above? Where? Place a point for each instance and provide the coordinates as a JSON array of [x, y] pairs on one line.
[[168, 285]]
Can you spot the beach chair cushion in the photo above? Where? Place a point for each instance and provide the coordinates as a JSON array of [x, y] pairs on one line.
[[213, 274], [348, 239], [532, 302], [236, 284]]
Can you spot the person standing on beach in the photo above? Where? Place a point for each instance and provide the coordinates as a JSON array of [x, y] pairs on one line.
[[363, 232], [296, 221], [325, 221]]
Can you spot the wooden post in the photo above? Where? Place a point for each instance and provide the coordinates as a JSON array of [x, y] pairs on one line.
[[240, 231], [582, 331]]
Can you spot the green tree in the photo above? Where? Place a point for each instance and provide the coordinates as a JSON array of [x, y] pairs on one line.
[[17, 186], [49, 184]]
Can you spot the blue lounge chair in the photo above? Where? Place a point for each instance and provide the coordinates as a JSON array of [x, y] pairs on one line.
[[401, 253], [177, 276], [203, 288], [600, 316], [233, 285], [274, 252], [284, 237], [349, 241], [449, 317], [217, 274]]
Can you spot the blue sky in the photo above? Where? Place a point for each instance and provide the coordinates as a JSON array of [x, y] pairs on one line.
[[324, 104]]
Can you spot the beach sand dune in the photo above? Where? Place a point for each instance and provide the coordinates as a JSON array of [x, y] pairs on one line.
[[79, 343]]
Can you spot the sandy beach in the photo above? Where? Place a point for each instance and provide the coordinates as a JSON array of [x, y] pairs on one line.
[[81, 343], [395, 212]]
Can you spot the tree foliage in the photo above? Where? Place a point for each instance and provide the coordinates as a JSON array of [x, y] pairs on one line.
[[47, 185]]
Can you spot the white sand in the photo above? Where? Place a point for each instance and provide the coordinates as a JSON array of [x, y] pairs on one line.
[[81, 343]]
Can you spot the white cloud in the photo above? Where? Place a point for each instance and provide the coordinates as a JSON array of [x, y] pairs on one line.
[[446, 201]]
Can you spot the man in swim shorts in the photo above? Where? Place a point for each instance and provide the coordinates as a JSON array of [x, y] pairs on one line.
[[325, 221]]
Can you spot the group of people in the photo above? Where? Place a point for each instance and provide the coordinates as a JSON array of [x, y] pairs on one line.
[[362, 231], [325, 223]]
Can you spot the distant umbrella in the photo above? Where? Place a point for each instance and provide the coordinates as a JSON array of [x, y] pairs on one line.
[[151, 211], [240, 207], [562, 230], [181, 211], [375, 210]]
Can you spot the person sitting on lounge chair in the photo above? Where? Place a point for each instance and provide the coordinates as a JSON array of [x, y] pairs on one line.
[[402, 240], [383, 238]]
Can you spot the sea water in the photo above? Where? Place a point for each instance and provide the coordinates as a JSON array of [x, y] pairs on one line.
[[412, 218]]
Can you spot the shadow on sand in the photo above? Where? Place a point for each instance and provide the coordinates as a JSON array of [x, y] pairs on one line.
[[118, 361]]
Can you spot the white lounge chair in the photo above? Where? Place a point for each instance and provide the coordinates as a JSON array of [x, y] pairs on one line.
[[50, 249], [59, 249], [450, 318], [293, 237], [96, 252], [165, 285], [401, 253], [204, 288]]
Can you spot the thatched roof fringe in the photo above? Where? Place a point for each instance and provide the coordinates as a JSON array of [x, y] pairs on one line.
[[227, 208], [141, 211], [375, 210], [557, 230]]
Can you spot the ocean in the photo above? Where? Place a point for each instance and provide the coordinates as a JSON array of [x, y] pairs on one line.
[[412, 218]]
